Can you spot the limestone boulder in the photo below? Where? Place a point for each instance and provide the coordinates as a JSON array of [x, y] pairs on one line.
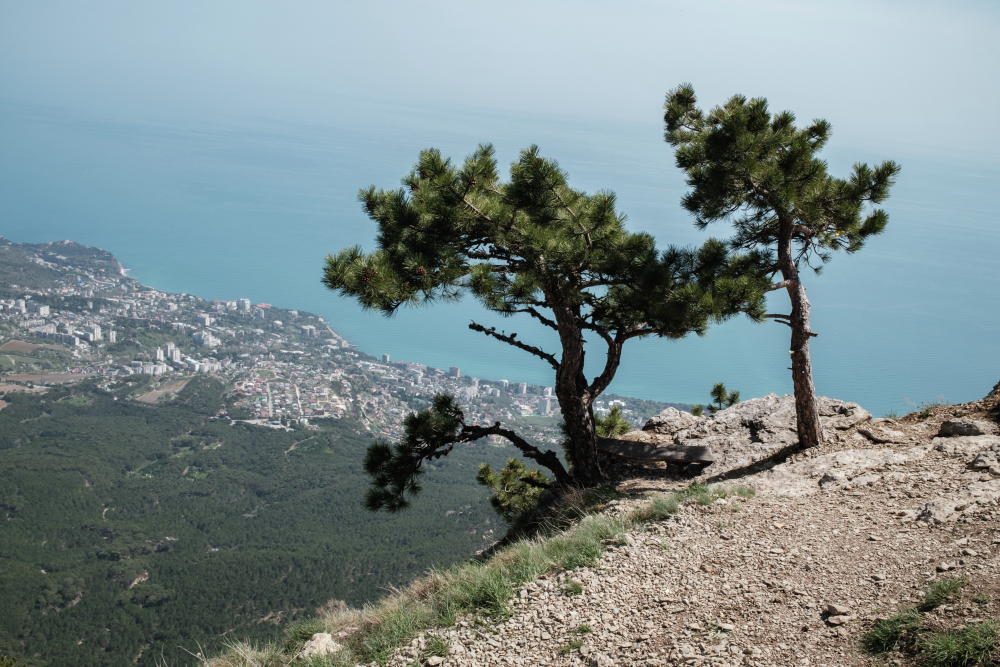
[[753, 430], [966, 427], [670, 421], [319, 644], [965, 445]]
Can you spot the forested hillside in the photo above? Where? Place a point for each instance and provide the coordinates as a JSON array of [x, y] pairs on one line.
[[131, 530]]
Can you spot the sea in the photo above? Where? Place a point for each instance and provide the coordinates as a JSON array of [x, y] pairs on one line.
[[233, 207]]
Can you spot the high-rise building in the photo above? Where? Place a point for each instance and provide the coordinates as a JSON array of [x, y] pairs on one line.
[[454, 372], [544, 406], [175, 355], [95, 332], [158, 354], [243, 304], [112, 336], [206, 320], [522, 388], [504, 384], [547, 391], [170, 347], [309, 331], [385, 358]]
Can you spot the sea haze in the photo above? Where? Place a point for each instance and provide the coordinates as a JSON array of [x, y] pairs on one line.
[[249, 208]]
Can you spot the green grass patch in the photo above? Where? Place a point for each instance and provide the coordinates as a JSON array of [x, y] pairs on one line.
[[572, 587], [572, 646], [942, 592], [965, 647], [658, 508], [886, 633], [436, 646]]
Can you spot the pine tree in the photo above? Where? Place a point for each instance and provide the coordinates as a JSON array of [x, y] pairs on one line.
[[531, 246], [724, 398], [762, 174]]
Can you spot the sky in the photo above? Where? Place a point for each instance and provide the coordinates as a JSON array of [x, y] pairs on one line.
[[890, 71]]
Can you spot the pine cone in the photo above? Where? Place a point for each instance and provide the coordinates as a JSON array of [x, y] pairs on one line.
[[368, 275], [472, 181], [414, 187], [421, 271]]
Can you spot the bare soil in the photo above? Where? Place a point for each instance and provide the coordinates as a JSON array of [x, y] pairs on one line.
[[172, 386]]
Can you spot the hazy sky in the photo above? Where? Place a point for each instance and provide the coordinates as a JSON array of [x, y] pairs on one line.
[[908, 71]]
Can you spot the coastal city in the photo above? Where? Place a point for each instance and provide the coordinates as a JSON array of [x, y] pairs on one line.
[[88, 318]]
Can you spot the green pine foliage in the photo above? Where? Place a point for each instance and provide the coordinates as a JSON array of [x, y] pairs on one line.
[[613, 424], [133, 530], [516, 489], [531, 246], [723, 398]]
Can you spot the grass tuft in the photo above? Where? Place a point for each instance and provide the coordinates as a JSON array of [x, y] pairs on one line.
[[941, 592], [658, 508], [437, 646], [572, 587], [972, 645], [886, 633], [572, 646]]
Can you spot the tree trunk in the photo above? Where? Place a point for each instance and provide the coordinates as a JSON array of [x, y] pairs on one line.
[[575, 401], [806, 408]]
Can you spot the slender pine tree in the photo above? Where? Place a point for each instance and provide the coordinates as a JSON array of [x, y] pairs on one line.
[[762, 174], [534, 247]]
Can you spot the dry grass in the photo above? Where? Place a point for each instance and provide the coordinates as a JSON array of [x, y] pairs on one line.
[[572, 536]]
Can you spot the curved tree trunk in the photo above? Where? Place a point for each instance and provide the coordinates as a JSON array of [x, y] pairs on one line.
[[574, 398], [806, 408]]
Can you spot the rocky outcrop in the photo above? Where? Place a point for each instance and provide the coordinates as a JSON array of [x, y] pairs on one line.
[[749, 431], [966, 427], [319, 644], [964, 445], [671, 421]]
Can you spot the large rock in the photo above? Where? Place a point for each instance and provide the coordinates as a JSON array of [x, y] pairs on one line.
[[836, 470], [671, 421], [966, 427], [967, 499], [319, 644], [965, 445], [753, 430]]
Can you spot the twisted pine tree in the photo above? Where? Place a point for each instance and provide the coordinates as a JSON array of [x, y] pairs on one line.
[[531, 246], [762, 174]]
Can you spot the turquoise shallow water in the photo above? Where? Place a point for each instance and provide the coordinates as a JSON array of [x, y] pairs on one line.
[[249, 208]]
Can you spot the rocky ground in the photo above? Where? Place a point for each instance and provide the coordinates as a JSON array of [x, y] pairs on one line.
[[834, 539]]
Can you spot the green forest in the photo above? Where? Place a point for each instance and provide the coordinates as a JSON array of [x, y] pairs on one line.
[[134, 531]]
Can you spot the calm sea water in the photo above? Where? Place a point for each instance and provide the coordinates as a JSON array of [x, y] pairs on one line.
[[249, 208]]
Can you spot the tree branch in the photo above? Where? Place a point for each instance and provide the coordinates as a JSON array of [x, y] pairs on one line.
[[538, 316], [510, 340], [548, 458], [776, 286]]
